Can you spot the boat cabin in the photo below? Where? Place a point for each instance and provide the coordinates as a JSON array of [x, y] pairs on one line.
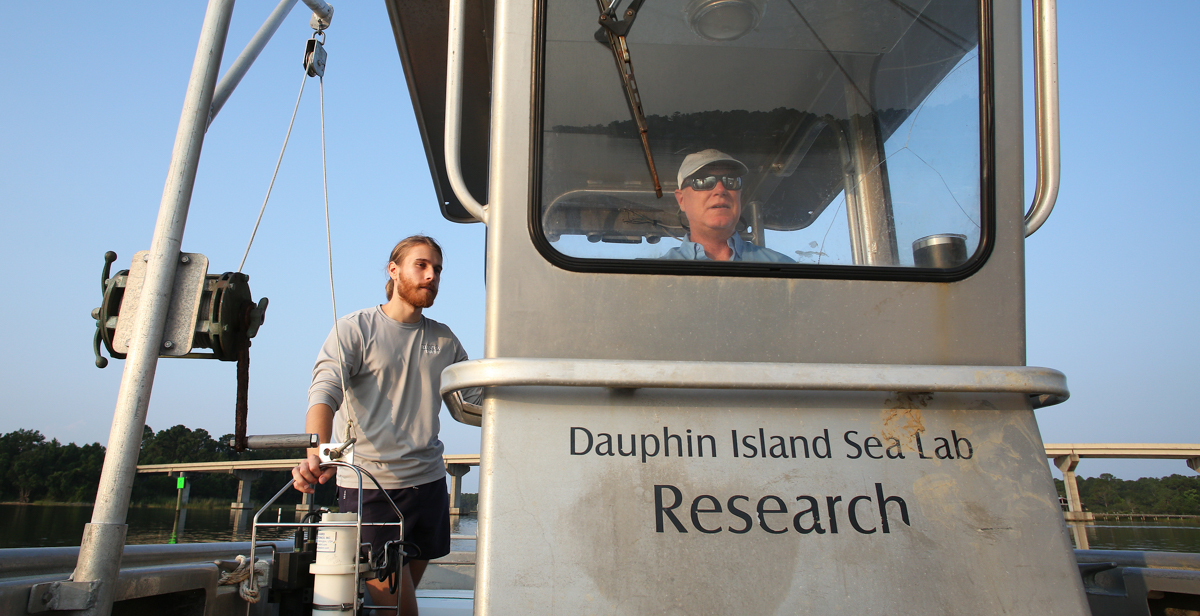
[[755, 336]]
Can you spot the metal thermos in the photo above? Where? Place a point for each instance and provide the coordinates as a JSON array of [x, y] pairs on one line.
[[941, 251]]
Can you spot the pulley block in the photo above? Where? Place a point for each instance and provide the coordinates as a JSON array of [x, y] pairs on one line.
[[314, 57]]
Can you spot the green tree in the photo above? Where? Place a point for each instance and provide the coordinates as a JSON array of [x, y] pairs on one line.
[[1103, 494], [1174, 495], [75, 473], [19, 466], [181, 444], [30, 468]]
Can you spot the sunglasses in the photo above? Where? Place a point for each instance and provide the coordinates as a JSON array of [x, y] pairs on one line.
[[709, 182]]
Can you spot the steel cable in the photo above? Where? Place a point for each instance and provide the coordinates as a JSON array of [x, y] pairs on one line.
[[286, 137], [351, 418]]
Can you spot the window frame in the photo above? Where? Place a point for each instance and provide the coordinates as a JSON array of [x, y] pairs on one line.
[[668, 267]]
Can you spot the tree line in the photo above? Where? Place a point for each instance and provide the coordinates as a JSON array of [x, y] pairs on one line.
[[1174, 495], [35, 469]]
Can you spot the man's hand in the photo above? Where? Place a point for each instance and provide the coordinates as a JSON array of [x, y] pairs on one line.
[[309, 472]]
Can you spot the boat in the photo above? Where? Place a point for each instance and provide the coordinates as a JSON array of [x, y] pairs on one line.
[[846, 427]]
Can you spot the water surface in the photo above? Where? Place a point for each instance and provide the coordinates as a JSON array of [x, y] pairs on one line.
[[1156, 535], [28, 526], [62, 525]]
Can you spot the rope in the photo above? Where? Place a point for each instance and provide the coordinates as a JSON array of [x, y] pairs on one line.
[[247, 584], [350, 421], [286, 137], [328, 235], [243, 398]]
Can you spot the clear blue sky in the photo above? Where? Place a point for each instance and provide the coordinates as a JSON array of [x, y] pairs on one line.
[[90, 109]]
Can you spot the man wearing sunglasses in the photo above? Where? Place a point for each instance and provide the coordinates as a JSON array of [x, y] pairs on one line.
[[710, 196]]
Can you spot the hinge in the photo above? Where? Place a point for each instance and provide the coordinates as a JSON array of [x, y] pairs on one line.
[[59, 596]]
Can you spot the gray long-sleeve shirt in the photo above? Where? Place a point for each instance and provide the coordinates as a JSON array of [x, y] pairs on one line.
[[394, 372]]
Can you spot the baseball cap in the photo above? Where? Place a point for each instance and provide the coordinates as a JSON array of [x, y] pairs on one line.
[[698, 160]]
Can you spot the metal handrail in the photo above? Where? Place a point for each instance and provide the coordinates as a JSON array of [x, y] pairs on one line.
[[1044, 386], [462, 411], [1045, 71], [453, 127]]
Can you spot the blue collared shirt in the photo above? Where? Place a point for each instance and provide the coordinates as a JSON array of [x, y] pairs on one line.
[[742, 251]]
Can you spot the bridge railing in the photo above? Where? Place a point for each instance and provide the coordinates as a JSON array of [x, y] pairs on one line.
[[1066, 457], [246, 471]]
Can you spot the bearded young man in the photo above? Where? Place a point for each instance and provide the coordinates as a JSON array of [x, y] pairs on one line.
[[391, 357]]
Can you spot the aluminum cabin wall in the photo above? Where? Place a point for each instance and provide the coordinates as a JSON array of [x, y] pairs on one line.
[[561, 532]]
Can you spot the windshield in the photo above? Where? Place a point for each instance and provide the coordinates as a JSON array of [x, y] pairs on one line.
[[808, 132]]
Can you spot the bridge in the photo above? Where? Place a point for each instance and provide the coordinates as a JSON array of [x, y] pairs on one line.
[[1066, 457]]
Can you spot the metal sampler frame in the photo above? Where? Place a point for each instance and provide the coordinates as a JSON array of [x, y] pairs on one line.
[[357, 524]]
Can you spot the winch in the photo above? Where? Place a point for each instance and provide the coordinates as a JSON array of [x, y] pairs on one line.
[[207, 311]]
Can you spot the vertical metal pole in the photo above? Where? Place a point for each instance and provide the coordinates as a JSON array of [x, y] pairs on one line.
[[104, 538], [758, 234], [869, 214], [850, 193], [178, 508], [872, 224]]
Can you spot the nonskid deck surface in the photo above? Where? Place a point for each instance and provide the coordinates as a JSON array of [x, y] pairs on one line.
[[446, 602], [1116, 580], [148, 570]]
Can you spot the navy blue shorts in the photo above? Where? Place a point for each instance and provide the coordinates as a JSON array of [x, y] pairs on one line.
[[426, 510]]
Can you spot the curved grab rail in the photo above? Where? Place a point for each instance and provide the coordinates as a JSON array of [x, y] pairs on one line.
[[1045, 70], [453, 126], [1045, 387], [461, 410]]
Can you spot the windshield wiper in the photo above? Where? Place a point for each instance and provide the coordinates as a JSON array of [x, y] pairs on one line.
[[616, 29]]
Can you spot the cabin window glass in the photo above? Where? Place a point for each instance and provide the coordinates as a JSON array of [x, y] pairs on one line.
[[857, 121]]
